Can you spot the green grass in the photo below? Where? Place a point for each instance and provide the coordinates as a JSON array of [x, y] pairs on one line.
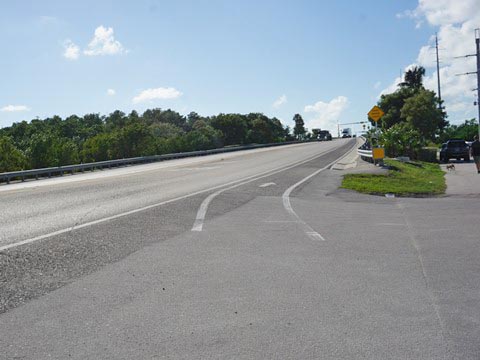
[[403, 179]]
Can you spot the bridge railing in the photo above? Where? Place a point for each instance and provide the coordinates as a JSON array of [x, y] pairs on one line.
[[61, 170]]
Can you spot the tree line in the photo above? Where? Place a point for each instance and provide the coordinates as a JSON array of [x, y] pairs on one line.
[[55, 141]]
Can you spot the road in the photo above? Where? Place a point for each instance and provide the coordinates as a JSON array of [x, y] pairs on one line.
[[284, 265]]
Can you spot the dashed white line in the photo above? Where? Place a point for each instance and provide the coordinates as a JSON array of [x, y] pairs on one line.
[[267, 184], [202, 210]]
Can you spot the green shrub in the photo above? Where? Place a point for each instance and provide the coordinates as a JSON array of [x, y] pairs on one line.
[[428, 154]]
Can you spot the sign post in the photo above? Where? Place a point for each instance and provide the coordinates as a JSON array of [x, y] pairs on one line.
[[376, 114]]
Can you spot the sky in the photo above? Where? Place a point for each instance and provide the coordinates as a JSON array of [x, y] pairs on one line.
[[326, 60]]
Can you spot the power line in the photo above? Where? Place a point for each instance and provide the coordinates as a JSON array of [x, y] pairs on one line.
[[477, 54]]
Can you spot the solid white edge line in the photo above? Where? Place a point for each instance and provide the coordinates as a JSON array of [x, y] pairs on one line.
[[309, 231], [134, 211]]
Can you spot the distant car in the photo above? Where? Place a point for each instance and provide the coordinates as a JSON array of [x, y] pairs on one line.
[[454, 149]]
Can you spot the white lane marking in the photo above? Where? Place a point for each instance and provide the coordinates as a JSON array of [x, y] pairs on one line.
[[202, 210], [267, 184], [315, 235], [288, 206], [134, 211]]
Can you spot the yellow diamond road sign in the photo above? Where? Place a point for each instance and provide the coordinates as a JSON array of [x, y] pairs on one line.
[[376, 113]]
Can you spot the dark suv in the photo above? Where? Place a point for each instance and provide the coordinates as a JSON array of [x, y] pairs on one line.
[[454, 149], [324, 135]]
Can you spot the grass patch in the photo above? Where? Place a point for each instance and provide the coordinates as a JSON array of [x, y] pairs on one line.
[[403, 179]]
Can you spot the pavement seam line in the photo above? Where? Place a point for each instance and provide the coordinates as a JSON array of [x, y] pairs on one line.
[[416, 247], [308, 230], [202, 210], [131, 212]]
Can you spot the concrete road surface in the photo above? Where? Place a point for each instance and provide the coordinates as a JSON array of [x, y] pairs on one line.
[[284, 266]]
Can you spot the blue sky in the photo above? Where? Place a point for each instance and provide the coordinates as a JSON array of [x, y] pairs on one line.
[[327, 60]]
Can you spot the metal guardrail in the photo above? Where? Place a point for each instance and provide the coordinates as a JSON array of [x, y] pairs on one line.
[[365, 153], [61, 170]]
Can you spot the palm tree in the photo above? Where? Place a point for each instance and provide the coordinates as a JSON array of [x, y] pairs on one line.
[[414, 78]]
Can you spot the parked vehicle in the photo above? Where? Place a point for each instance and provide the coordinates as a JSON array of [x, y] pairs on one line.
[[346, 133], [454, 149]]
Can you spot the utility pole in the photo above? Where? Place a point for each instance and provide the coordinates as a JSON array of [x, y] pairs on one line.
[[477, 54], [438, 75], [477, 42]]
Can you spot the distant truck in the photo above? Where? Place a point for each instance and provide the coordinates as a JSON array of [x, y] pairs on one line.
[[346, 133]]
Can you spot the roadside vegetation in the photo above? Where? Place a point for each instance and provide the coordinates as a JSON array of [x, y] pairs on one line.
[[414, 126], [403, 179], [415, 122], [79, 139], [413, 117]]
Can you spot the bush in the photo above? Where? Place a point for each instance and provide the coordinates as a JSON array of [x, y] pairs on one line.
[[402, 140], [428, 154], [11, 158]]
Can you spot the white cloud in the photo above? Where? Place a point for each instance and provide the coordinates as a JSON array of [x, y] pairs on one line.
[[72, 51], [426, 55], [157, 93], [326, 114], [111, 92], [104, 43], [445, 12], [280, 101], [14, 108], [377, 85], [456, 22]]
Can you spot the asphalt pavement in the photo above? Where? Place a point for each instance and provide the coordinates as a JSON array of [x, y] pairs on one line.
[[387, 278]]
